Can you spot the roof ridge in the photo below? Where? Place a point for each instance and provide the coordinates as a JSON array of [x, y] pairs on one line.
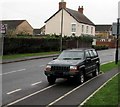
[[79, 16]]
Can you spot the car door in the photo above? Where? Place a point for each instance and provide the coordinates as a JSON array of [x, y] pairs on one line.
[[87, 62], [93, 60]]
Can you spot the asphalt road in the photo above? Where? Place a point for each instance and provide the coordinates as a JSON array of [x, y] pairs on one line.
[[24, 83]]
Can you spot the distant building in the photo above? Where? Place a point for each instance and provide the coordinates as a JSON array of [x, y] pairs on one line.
[[38, 32], [17, 27], [42, 30], [103, 31], [74, 22]]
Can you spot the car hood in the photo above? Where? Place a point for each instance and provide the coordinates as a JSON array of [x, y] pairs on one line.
[[65, 62]]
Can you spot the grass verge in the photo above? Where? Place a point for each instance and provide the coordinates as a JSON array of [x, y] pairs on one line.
[[28, 55], [109, 66], [108, 95]]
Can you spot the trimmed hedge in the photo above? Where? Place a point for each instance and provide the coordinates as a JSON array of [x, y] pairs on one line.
[[33, 45], [29, 45], [101, 47]]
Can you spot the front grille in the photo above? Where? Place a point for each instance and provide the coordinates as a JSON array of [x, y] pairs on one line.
[[60, 68]]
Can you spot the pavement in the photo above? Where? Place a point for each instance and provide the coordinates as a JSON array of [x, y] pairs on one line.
[[5, 61]]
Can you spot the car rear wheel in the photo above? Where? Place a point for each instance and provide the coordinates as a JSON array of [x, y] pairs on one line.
[[51, 79]]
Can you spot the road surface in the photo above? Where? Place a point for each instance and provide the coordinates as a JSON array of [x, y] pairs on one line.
[[24, 83]]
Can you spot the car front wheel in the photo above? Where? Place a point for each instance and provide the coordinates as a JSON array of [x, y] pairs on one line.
[[96, 72], [80, 78], [51, 79]]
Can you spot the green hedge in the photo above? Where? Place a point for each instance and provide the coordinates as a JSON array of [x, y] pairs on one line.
[[102, 47], [29, 45], [16, 45]]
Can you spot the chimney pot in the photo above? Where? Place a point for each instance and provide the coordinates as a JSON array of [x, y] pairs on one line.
[[80, 9], [62, 5]]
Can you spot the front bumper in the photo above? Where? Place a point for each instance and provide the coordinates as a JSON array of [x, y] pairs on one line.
[[61, 74]]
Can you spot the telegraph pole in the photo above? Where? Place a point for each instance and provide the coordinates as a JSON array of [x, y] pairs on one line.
[[61, 30], [61, 27], [117, 42]]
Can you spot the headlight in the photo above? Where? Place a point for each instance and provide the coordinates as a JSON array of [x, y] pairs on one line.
[[48, 68], [73, 68]]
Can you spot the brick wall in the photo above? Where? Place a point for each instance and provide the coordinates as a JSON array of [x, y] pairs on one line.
[[111, 44]]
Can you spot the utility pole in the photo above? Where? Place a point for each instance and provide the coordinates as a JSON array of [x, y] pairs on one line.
[[61, 30], [117, 42]]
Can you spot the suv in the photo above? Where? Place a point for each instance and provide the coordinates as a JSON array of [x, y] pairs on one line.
[[75, 63]]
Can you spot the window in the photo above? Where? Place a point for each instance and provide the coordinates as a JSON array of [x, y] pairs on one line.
[[95, 53], [82, 28], [87, 28], [91, 53], [91, 30], [87, 54], [71, 55], [73, 27]]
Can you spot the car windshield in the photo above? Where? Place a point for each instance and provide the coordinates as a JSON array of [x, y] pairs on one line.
[[71, 55]]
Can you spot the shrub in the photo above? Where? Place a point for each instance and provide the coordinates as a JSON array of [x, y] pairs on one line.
[[100, 47], [29, 44]]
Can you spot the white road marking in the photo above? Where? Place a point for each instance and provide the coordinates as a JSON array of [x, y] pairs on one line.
[[30, 95], [70, 92], [14, 91], [97, 90], [36, 83], [12, 72]]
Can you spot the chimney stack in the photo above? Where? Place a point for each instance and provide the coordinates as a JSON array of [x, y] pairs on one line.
[[80, 9], [62, 4]]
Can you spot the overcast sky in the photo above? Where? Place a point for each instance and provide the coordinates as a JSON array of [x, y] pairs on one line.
[[38, 11]]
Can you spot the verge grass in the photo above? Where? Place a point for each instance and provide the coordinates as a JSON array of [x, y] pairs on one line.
[[109, 95], [109, 66], [15, 56]]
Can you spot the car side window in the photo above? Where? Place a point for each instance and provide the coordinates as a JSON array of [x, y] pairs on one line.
[[87, 54], [91, 53], [95, 53]]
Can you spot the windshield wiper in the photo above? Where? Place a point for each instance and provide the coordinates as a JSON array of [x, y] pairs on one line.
[[66, 58], [76, 58]]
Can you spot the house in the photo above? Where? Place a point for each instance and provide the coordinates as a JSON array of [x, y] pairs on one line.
[[42, 30], [17, 27], [73, 22], [104, 34], [103, 31], [36, 32]]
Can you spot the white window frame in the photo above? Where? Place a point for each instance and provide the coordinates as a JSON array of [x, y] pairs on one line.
[[87, 29], [73, 28], [91, 30], [82, 28]]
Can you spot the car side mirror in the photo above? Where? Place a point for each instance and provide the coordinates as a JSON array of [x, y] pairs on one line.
[[88, 59]]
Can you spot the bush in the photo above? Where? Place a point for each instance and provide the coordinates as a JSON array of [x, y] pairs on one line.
[[29, 45], [101, 47], [25, 44]]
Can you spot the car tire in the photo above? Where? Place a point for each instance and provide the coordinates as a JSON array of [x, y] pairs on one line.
[[51, 80], [96, 72], [80, 78]]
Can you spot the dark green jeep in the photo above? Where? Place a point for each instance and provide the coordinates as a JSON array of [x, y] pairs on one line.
[[74, 63]]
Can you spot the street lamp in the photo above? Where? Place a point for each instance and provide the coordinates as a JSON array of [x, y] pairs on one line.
[[117, 42]]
